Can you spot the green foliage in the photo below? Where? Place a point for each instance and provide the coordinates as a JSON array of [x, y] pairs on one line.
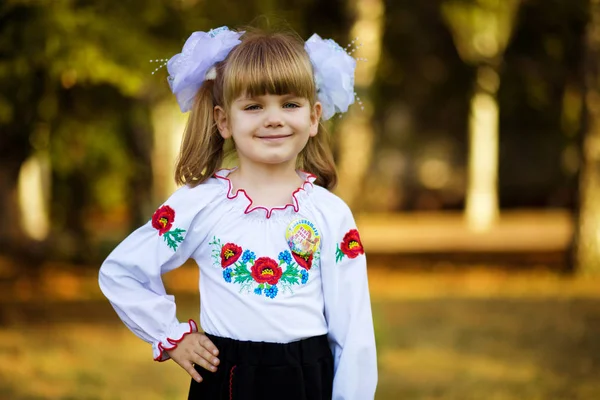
[[481, 28], [76, 83], [241, 273], [174, 237], [291, 275], [338, 254]]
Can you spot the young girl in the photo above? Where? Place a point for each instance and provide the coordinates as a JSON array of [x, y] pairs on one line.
[[285, 305]]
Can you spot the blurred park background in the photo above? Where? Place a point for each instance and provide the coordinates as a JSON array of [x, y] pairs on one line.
[[473, 171]]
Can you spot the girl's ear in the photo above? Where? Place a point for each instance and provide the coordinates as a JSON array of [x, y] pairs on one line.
[[221, 120], [315, 118]]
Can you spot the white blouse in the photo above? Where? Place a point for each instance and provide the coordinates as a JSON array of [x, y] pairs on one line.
[[272, 275]]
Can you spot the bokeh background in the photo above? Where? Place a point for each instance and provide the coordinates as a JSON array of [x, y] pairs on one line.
[[473, 172]]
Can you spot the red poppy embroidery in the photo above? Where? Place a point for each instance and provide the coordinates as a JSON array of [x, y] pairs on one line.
[[163, 219], [266, 270], [230, 253], [303, 261], [351, 246]]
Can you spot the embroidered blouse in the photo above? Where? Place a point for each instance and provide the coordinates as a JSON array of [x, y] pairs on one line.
[[274, 275]]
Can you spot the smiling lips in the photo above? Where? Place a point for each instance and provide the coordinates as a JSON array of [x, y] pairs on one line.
[[274, 137]]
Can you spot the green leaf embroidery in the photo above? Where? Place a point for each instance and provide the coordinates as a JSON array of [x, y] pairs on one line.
[[291, 279], [338, 254], [242, 279], [174, 237], [291, 274], [216, 252], [286, 287], [241, 273], [316, 256]]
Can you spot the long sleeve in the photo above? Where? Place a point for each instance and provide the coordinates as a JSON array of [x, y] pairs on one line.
[[348, 308], [131, 275]]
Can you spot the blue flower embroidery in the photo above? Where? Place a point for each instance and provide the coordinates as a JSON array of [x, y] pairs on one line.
[[304, 276], [227, 274], [285, 256], [248, 256], [271, 291], [258, 291]]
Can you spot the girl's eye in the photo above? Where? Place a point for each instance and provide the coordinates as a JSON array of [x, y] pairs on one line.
[[252, 107], [291, 105]]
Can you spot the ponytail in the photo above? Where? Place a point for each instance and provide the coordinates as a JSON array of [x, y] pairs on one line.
[[317, 158], [201, 153]]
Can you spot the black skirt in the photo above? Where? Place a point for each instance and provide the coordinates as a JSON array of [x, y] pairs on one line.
[[301, 370]]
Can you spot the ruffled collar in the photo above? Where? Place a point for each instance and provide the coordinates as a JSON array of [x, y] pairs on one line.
[[246, 202]]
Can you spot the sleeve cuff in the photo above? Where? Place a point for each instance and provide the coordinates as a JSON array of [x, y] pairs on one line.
[[169, 343]]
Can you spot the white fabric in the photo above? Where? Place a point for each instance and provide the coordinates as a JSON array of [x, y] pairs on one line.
[[334, 300]]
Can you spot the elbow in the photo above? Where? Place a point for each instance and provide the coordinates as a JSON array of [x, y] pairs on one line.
[[102, 278], [105, 276]]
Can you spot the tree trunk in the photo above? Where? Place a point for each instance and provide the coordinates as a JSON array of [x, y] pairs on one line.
[[588, 246], [11, 233], [15, 147], [356, 138], [482, 193], [139, 141]]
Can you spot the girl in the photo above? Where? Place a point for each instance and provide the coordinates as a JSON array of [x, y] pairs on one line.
[[285, 304]]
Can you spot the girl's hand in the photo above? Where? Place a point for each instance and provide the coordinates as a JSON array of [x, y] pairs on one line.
[[195, 348]]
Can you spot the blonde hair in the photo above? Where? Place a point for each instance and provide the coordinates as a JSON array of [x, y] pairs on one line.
[[263, 63]]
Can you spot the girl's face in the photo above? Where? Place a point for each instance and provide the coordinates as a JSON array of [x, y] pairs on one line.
[[269, 129]]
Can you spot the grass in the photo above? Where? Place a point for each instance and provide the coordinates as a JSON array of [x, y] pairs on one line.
[[489, 349], [474, 334]]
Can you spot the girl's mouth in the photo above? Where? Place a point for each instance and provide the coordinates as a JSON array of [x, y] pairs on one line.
[[274, 137]]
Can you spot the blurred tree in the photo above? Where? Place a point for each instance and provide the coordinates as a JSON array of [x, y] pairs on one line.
[[17, 115], [482, 30], [588, 235], [75, 83], [65, 77], [356, 139], [540, 102], [420, 113]]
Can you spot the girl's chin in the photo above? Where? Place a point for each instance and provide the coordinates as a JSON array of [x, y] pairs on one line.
[[271, 161]]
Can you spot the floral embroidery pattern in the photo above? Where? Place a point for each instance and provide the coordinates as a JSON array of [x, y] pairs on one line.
[[351, 246], [162, 220], [262, 275], [266, 270], [305, 261], [230, 253]]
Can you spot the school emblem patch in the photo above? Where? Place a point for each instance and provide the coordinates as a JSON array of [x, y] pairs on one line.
[[302, 237]]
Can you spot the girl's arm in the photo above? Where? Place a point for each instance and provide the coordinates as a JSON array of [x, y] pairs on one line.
[[348, 310], [131, 275]]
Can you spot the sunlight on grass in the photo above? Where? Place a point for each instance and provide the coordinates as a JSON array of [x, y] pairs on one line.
[[430, 365], [444, 335], [79, 361]]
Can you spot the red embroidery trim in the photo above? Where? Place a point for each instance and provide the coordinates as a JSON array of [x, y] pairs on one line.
[[174, 342], [231, 383], [310, 178]]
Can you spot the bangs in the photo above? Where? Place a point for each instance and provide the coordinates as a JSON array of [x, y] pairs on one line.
[[268, 64]]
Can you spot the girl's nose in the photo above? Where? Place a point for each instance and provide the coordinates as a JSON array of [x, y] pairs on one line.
[[273, 119]]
